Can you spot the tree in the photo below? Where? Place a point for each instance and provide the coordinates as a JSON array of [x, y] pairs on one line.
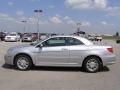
[[117, 34]]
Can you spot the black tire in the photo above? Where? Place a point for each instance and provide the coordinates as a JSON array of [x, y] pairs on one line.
[[22, 41], [26, 60], [2, 39], [94, 60]]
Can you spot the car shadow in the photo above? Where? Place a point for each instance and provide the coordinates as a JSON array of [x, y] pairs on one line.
[[6, 66], [58, 69], [63, 69], [104, 69]]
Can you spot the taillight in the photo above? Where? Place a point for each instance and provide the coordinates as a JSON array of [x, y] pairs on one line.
[[110, 50]]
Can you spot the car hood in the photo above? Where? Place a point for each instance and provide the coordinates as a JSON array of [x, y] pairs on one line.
[[25, 46]]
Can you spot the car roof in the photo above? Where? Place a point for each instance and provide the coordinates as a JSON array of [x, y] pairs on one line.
[[68, 36]]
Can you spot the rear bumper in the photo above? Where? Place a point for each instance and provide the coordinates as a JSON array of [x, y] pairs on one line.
[[109, 60]]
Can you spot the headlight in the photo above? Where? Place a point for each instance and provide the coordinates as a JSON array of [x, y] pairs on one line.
[[29, 38], [14, 38]]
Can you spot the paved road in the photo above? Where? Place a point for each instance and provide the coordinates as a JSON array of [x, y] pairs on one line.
[[46, 78]]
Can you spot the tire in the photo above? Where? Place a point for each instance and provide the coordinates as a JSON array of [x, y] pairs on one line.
[[2, 39], [22, 40], [23, 62], [92, 64]]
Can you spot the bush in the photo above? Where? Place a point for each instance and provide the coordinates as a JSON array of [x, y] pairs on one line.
[[117, 41]]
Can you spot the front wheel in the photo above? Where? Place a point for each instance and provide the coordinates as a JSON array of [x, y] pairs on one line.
[[23, 62], [92, 64]]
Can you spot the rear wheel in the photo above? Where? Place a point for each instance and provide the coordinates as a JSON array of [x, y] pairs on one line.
[[23, 62], [92, 64]]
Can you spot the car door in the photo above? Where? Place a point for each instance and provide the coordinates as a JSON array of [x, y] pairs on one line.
[[77, 51], [54, 51]]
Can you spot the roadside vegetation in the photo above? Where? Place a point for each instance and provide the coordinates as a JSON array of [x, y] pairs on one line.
[[111, 37]]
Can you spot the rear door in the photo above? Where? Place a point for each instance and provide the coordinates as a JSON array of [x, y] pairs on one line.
[[77, 50]]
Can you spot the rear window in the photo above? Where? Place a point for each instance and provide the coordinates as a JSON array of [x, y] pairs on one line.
[[74, 41], [86, 41], [28, 35]]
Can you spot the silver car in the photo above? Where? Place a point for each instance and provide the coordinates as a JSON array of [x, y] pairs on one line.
[[73, 51]]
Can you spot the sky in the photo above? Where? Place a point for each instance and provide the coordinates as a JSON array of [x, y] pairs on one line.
[[61, 16]]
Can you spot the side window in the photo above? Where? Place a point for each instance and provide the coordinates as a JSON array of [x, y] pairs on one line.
[[73, 41], [58, 41]]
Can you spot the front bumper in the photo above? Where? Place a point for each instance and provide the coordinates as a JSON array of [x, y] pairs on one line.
[[8, 59], [12, 39], [27, 39]]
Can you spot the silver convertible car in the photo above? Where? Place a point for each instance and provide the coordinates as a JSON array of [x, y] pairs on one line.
[[73, 51]]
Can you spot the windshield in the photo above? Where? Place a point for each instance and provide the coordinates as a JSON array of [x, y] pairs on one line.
[[27, 35]]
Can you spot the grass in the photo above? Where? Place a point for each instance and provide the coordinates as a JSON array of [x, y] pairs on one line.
[[111, 37]]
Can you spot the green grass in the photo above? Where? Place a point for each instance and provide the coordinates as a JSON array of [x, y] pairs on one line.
[[111, 37]]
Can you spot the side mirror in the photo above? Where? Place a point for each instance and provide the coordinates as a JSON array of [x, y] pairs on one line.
[[40, 46]]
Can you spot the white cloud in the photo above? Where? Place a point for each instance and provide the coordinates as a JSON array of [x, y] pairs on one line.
[[100, 3], [104, 22], [55, 19], [94, 4], [69, 20], [7, 22], [5, 17], [86, 4], [20, 13], [113, 11], [86, 23], [32, 20], [107, 24], [10, 3]]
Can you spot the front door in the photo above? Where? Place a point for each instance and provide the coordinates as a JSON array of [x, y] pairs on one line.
[[53, 52]]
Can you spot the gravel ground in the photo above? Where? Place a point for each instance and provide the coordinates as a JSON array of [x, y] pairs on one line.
[[49, 78]]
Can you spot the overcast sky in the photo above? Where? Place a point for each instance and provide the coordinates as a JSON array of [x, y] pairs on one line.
[[61, 16]]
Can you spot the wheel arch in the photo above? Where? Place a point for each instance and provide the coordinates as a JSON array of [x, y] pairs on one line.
[[93, 56], [22, 54]]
